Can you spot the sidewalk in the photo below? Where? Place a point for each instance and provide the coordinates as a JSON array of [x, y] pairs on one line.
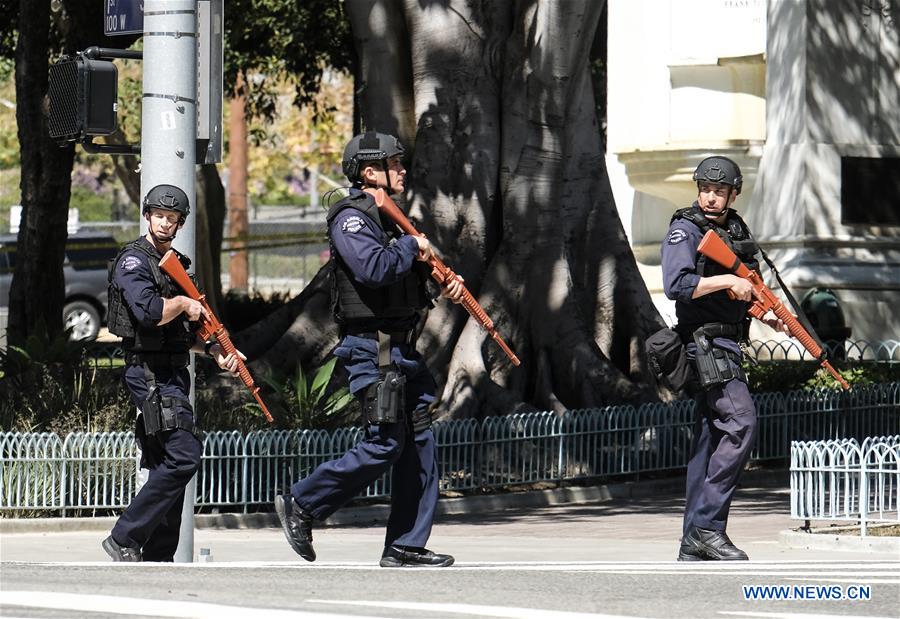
[[638, 521]]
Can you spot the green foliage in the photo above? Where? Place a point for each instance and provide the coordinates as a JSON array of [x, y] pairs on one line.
[[91, 206], [308, 402], [9, 138], [780, 376], [318, 407], [9, 29], [271, 40], [48, 385], [9, 189]]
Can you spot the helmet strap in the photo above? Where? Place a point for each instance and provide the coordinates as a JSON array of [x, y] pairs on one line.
[[387, 176]]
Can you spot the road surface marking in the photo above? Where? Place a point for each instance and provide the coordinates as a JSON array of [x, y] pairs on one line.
[[765, 615], [118, 605], [510, 612]]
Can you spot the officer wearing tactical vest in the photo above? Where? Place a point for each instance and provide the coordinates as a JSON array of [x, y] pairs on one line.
[[379, 290], [711, 309], [157, 327]]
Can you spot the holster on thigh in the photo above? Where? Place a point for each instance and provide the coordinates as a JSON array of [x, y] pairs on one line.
[[161, 413], [715, 366], [383, 401]]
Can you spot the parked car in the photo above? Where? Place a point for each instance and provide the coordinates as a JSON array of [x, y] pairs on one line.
[[84, 270]]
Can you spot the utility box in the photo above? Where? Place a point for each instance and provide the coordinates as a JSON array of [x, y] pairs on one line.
[[824, 312], [83, 96]]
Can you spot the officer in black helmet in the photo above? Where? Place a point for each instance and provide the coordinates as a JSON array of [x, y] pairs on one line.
[[379, 290], [157, 325], [711, 310]]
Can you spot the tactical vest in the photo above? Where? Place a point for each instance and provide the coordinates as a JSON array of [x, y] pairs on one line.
[[352, 301], [176, 336], [734, 233]]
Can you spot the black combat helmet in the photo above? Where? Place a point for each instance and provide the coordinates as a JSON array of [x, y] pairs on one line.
[[369, 146], [169, 198], [720, 170]]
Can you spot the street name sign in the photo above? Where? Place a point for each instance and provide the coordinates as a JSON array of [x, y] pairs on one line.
[[123, 17]]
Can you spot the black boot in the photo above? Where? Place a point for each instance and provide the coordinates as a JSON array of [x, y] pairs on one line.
[[121, 553], [400, 556], [297, 526], [708, 545]]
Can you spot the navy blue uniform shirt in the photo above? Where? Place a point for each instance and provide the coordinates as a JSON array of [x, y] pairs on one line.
[[134, 277], [360, 244], [680, 278]]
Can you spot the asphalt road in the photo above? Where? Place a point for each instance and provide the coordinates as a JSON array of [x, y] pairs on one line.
[[589, 561], [586, 590]]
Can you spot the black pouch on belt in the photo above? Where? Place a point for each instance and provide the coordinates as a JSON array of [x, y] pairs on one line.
[[668, 360]]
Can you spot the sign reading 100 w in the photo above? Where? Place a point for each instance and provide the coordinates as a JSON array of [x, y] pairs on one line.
[[123, 17]]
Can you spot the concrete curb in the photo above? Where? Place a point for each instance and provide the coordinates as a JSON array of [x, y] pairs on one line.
[[373, 515], [363, 515], [831, 541], [55, 525]]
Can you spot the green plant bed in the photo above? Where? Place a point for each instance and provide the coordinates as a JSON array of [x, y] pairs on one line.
[[319, 401], [780, 376], [49, 385]]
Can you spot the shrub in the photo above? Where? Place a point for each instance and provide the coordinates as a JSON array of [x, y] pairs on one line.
[[48, 385], [780, 376]]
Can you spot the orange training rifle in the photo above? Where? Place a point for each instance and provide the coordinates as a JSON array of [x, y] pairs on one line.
[[211, 327], [441, 273], [715, 248]]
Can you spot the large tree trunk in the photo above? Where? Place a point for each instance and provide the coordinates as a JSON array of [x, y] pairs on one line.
[[210, 198], [508, 180], [36, 291], [238, 218]]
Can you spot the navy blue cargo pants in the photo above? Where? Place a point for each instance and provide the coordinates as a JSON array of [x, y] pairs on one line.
[[153, 519], [724, 433], [414, 478]]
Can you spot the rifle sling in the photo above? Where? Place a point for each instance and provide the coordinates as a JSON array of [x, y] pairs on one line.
[[801, 316]]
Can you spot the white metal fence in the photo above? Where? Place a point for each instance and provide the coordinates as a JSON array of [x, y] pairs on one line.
[[88, 471], [845, 480]]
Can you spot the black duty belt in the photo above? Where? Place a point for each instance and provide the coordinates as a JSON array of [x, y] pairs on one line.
[[723, 329], [397, 337], [158, 359], [712, 329]]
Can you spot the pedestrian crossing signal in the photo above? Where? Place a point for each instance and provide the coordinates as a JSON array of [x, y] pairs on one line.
[[83, 95]]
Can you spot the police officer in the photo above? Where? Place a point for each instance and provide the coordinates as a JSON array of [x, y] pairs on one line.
[[157, 326], [711, 310], [379, 290]]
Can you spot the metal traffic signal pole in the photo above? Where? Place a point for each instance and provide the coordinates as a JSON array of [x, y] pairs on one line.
[[168, 146]]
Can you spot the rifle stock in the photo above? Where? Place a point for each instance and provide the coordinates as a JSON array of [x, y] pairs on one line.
[[211, 327], [441, 273], [715, 248]]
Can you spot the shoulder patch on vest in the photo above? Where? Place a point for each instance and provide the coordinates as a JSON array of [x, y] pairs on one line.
[[676, 236], [130, 263], [353, 223]]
